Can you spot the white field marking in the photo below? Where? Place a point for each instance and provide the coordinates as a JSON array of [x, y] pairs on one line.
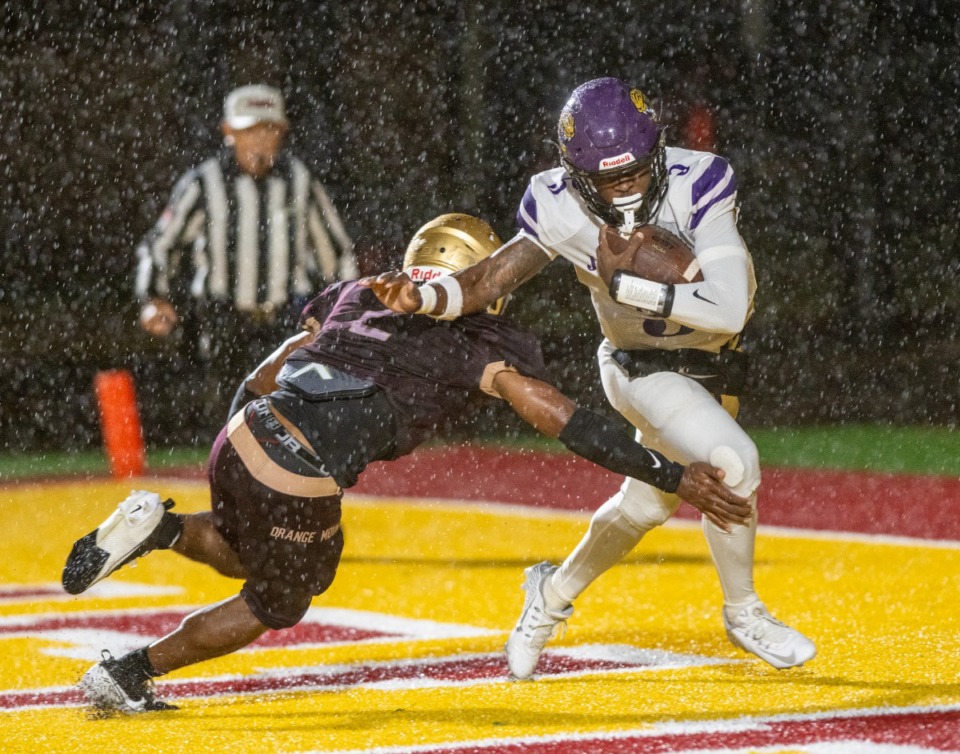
[[640, 658], [408, 628], [103, 590], [860, 537], [633, 660], [38, 619], [85, 643], [466, 506], [522, 511], [114, 588], [413, 628], [39, 693], [655, 730]]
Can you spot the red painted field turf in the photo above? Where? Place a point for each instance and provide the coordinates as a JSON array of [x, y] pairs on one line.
[[895, 504]]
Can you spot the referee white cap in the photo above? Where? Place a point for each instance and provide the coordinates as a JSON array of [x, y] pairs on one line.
[[249, 105]]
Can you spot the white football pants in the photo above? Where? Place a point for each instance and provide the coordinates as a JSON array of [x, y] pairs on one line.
[[675, 415]]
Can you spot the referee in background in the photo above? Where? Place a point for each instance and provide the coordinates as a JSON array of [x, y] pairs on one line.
[[246, 239]]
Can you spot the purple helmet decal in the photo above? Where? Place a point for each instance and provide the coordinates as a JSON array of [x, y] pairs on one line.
[[607, 128]]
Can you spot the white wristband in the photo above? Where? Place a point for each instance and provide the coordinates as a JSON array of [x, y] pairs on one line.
[[454, 307], [641, 293], [428, 299]]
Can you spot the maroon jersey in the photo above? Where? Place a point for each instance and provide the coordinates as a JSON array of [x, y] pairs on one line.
[[430, 370]]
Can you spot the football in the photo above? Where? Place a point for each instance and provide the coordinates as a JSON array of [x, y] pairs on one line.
[[660, 255]]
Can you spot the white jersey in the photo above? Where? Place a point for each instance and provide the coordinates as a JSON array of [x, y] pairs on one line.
[[700, 207]]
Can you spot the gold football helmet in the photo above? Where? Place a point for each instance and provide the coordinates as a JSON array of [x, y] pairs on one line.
[[449, 243]]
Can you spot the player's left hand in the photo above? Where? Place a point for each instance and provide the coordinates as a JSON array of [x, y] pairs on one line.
[[702, 486], [395, 290], [615, 252]]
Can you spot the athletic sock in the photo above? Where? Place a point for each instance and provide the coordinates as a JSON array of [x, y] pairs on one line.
[[732, 555], [609, 540], [137, 667], [169, 531]]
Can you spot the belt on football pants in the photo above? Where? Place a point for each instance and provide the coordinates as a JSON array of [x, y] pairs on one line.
[[270, 473], [723, 373]]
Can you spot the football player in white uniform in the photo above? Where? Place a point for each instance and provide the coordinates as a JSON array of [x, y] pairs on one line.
[[669, 361]]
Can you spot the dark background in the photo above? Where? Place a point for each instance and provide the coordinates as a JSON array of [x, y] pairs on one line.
[[839, 116]]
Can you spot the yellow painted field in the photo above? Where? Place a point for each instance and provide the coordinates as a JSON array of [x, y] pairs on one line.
[[405, 649]]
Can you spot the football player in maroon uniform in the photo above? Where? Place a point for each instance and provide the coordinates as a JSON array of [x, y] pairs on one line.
[[361, 383]]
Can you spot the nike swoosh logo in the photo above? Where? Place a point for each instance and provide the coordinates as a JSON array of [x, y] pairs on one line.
[[656, 461], [765, 653], [696, 294], [138, 508], [138, 704], [788, 659], [134, 704]]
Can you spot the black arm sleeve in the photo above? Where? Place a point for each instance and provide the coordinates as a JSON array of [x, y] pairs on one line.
[[598, 439]]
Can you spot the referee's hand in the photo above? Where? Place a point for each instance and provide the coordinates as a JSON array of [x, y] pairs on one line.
[[158, 317]]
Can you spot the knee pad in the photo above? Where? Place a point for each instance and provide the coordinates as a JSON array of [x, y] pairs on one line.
[[276, 604], [742, 468], [644, 506]]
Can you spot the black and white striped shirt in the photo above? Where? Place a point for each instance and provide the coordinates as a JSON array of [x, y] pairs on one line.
[[227, 237]]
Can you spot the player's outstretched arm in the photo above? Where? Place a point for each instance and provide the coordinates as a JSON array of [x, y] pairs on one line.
[[500, 274], [597, 439], [395, 290], [480, 285]]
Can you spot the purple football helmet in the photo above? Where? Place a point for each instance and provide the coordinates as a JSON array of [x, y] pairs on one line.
[[606, 129]]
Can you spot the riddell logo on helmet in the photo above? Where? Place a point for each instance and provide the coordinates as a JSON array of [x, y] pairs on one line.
[[424, 274], [614, 162]]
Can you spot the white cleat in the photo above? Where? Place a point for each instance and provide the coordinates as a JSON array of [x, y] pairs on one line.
[[754, 630], [536, 625], [126, 535]]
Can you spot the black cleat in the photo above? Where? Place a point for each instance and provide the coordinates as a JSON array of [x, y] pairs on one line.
[[109, 688]]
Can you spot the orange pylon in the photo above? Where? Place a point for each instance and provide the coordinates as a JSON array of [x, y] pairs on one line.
[[120, 422]]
